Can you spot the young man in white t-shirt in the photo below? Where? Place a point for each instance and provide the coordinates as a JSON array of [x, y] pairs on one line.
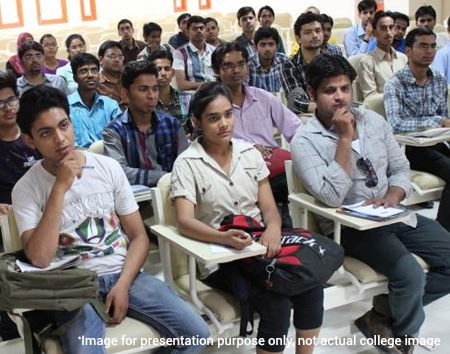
[[76, 202]]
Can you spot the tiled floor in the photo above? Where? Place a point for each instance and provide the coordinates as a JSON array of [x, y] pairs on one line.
[[337, 323]]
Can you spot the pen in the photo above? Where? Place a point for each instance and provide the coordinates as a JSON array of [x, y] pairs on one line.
[[87, 166]]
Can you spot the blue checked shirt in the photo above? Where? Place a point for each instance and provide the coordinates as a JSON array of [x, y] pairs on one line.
[[144, 156], [266, 80], [410, 106]]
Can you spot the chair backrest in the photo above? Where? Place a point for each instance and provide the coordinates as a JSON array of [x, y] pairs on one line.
[[342, 22], [165, 214], [97, 147], [376, 103], [10, 233], [296, 186], [357, 93]]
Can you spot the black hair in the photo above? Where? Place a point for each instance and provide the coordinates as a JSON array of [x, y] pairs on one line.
[[36, 100], [182, 17], [195, 19], [160, 54], [379, 15], [448, 22], [266, 32], [107, 45], [135, 68], [123, 21], [367, 5], [205, 95], [211, 19], [151, 27], [82, 59], [47, 35], [417, 32], [244, 11], [8, 80], [304, 19], [268, 8], [325, 66], [401, 16], [30, 45], [222, 50], [327, 19], [425, 10]]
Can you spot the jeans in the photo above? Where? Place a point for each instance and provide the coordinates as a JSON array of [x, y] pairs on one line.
[[388, 250], [150, 301], [436, 160]]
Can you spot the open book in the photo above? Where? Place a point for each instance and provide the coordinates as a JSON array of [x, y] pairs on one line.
[[56, 264], [369, 212], [421, 136], [139, 189]]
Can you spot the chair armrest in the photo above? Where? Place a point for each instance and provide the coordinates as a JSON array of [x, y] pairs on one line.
[[312, 205], [202, 250], [421, 142]]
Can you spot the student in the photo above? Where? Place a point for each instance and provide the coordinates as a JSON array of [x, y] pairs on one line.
[[327, 28], [90, 112], [152, 36], [441, 62], [344, 156], [264, 69], [31, 56], [211, 180], [13, 64], [212, 32], [144, 142], [416, 98], [309, 34], [401, 26], [171, 101], [257, 113], [75, 44], [51, 63], [111, 62], [182, 37], [426, 18], [247, 21], [56, 200], [357, 37], [130, 46], [375, 68], [192, 61], [266, 16]]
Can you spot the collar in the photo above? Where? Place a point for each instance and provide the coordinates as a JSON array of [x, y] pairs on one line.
[[314, 125], [408, 76], [196, 150], [381, 54], [359, 30], [126, 118], [76, 98], [124, 45], [208, 48], [276, 60], [24, 81], [105, 78], [249, 93]]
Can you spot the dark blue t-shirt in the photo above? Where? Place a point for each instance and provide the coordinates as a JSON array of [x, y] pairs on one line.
[[15, 159]]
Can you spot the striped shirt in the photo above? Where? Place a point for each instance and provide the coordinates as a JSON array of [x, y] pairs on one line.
[[267, 80], [410, 106], [144, 156], [196, 66]]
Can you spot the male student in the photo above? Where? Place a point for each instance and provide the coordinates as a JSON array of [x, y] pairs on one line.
[[212, 32], [266, 16], [426, 18], [265, 68], [247, 21], [90, 112], [357, 37], [182, 37], [375, 68], [152, 36], [111, 62], [415, 98], [401, 26], [143, 141], [344, 156], [192, 61], [31, 56], [171, 101], [54, 204], [130, 46]]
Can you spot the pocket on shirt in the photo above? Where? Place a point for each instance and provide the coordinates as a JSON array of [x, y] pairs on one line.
[[252, 173]]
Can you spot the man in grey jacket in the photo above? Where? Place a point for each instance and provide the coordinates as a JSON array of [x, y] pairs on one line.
[[345, 156]]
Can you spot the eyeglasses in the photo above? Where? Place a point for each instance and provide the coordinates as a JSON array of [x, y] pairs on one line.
[[12, 102], [50, 46], [93, 71], [29, 56], [366, 166], [114, 56], [231, 67]]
